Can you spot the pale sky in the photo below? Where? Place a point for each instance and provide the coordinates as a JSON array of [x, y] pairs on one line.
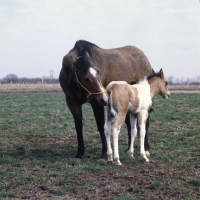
[[36, 34]]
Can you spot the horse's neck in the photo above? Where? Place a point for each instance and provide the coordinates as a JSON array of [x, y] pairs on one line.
[[154, 87]]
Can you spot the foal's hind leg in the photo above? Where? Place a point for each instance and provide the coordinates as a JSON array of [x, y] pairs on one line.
[[116, 129], [107, 130]]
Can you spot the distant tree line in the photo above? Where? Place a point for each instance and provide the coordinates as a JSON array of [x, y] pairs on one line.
[[184, 81], [12, 78]]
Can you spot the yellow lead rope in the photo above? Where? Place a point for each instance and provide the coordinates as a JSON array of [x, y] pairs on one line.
[[89, 93]]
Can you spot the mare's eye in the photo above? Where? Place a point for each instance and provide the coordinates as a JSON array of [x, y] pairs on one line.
[[87, 79]]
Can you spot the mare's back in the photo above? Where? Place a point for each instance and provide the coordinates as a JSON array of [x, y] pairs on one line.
[[125, 63]]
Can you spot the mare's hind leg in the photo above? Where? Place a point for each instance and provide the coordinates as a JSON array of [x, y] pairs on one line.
[[142, 117]]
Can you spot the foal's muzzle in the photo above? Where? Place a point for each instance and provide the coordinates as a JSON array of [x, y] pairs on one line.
[[167, 95]]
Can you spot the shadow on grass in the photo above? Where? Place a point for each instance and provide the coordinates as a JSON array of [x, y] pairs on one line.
[[44, 153]]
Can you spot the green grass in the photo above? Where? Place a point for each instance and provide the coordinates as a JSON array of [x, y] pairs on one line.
[[38, 143]]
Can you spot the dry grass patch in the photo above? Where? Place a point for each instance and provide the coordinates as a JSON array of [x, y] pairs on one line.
[[24, 87]]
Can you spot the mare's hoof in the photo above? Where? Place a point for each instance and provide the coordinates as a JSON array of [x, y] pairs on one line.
[[76, 161], [102, 161]]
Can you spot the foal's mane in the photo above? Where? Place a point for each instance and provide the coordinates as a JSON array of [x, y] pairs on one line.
[[83, 46], [154, 75]]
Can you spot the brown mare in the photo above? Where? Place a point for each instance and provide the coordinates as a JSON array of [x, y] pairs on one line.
[[136, 100], [86, 70]]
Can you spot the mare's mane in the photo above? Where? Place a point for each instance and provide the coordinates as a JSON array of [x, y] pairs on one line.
[[83, 46]]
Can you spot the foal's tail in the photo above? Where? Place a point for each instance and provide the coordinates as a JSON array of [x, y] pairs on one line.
[[111, 112]]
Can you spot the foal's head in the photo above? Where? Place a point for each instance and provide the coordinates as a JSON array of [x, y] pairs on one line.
[[159, 84], [88, 78]]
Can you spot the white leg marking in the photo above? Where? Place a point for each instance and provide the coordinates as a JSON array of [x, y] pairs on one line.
[[102, 89], [107, 131], [142, 116], [115, 144], [133, 121], [147, 153]]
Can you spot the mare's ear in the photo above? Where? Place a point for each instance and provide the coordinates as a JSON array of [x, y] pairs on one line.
[[161, 73], [74, 61]]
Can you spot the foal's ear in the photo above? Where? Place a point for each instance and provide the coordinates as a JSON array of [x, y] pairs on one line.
[[161, 73], [153, 72]]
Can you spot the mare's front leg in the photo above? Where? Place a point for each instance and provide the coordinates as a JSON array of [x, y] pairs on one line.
[[142, 117], [99, 116], [76, 111]]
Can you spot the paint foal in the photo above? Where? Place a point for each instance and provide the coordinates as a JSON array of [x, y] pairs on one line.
[[135, 100]]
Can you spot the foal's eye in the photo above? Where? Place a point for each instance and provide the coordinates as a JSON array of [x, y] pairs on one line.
[[166, 83]]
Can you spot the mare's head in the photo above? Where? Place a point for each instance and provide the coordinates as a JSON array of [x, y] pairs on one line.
[[159, 84], [88, 75]]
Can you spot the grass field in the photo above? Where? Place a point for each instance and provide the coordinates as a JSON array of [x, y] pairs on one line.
[[38, 142]]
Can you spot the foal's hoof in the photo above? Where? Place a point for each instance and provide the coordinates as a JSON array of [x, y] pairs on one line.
[[76, 161], [102, 161], [117, 162], [129, 153], [147, 153]]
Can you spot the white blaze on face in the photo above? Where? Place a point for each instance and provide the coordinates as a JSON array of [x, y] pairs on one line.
[[94, 74]]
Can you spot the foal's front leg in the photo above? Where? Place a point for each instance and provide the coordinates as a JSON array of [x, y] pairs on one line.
[[133, 132], [142, 117]]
